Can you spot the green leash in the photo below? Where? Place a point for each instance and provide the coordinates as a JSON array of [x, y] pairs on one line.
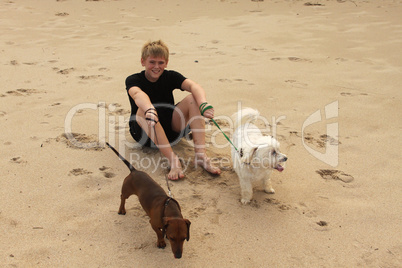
[[203, 107]]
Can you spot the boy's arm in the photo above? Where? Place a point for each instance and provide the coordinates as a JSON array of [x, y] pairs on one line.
[[144, 104], [199, 95]]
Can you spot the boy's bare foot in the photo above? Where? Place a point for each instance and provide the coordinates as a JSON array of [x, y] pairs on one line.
[[202, 160], [175, 174], [176, 171]]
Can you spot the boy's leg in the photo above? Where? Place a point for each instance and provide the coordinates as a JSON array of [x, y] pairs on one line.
[[187, 112], [158, 136]]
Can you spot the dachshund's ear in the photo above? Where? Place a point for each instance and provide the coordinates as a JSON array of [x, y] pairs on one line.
[[188, 228], [166, 220]]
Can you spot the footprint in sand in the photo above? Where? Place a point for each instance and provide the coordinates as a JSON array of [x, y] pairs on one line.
[[79, 172], [348, 94], [321, 226], [80, 141], [293, 59], [17, 160], [295, 83], [256, 49], [2, 113], [106, 173], [296, 59], [321, 141], [205, 208], [62, 14], [341, 59], [306, 211], [64, 71], [23, 92], [329, 174], [194, 213], [99, 76], [309, 4], [115, 110], [278, 204], [322, 223], [113, 48]]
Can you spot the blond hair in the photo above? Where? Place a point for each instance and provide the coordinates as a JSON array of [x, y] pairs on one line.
[[155, 49]]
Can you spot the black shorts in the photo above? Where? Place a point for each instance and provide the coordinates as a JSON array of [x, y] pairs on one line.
[[165, 119]]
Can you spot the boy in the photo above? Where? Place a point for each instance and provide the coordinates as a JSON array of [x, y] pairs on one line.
[[154, 115]]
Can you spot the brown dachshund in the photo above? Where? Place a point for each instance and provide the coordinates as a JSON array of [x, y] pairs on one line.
[[164, 211]]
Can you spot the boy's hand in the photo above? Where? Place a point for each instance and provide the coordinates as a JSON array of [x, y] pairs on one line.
[[207, 110], [209, 113]]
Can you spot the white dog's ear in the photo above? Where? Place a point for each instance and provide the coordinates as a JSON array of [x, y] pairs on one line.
[[247, 157]]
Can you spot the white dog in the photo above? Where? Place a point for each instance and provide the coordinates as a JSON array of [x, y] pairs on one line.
[[256, 154]]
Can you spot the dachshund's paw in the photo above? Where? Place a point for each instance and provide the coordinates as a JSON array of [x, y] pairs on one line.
[[161, 244]]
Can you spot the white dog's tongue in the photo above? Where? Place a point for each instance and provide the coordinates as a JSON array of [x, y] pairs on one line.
[[279, 168]]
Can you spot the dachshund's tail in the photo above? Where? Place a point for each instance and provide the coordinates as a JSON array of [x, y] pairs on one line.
[[121, 157]]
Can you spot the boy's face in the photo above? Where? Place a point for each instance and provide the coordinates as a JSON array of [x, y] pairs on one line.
[[154, 67]]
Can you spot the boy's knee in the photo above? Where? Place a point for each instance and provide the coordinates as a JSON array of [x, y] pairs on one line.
[[190, 100]]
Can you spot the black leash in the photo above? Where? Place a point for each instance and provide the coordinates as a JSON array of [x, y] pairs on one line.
[[151, 110]]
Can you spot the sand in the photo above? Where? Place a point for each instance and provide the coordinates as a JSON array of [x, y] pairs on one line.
[[325, 74]]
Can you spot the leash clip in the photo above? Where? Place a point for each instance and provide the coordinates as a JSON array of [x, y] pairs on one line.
[[169, 191]]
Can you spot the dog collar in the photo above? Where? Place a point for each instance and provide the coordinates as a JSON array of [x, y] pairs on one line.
[[163, 214], [163, 229], [167, 201], [241, 155]]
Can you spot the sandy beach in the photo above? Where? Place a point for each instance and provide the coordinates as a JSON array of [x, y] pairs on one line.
[[325, 74]]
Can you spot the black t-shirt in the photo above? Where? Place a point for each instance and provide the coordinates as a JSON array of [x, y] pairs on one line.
[[159, 92], [161, 95]]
